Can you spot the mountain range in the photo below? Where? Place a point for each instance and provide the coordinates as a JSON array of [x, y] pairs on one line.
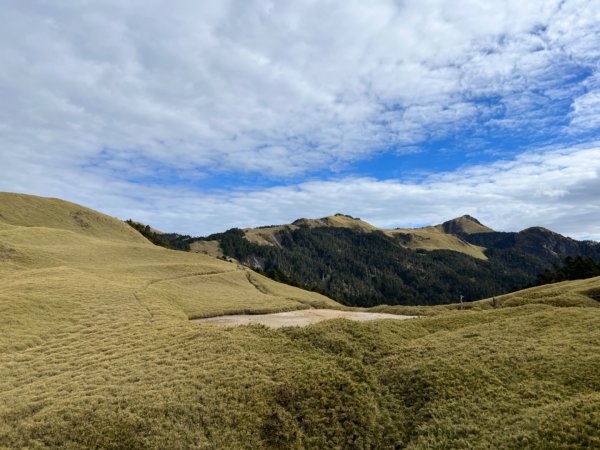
[[359, 264]]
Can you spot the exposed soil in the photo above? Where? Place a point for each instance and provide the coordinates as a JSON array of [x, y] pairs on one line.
[[297, 318]]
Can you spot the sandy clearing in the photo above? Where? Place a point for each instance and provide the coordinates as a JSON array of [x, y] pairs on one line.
[[297, 318]]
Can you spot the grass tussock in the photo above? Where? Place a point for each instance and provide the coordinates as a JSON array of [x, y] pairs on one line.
[[97, 350]]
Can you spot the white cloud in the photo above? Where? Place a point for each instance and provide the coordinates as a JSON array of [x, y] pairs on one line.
[[557, 188], [98, 94], [244, 85], [585, 113]]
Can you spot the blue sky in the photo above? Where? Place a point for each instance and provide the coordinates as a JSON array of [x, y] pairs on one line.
[[199, 116]]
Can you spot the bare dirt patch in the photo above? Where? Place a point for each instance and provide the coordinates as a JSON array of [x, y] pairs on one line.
[[297, 318]]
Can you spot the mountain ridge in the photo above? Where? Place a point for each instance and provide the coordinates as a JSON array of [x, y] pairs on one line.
[[362, 265], [434, 237]]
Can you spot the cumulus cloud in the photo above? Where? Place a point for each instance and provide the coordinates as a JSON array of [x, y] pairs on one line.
[[278, 87]]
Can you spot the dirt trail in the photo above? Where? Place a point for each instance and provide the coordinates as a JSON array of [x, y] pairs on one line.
[[297, 318]]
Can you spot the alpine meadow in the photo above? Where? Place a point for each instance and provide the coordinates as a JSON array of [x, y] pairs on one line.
[[257, 224], [98, 350]]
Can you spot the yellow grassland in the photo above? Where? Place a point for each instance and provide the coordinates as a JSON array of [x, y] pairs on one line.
[[266, 235], [97, 351], [434, 238], [578, 293], [71, 271]]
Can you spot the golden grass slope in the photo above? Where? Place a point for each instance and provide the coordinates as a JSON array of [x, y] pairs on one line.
[[583, 293], [81, 266], [97, 351], [118, 380], [578, 293], [446, 236], [434, 238], [337, 221], [211, 248], [31, 211], [465, 225]]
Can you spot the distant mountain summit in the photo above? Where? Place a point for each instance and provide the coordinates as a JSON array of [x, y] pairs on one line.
[[337, 221], [538, 241], [464, 225]]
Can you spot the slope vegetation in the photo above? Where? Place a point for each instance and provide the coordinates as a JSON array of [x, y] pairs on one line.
[[97, 351], [579, 293]]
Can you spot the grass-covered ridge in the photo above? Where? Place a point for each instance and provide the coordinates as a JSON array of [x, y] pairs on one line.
[[439, 237], [97, 350]]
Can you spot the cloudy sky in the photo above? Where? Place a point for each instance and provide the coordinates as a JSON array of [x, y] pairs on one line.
[[197, 116]]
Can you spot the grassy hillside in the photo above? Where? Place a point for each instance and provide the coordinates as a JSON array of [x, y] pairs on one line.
[[79, 264], [464, 226], [579, 293], [434, 238], [20, 210], [97, 350]]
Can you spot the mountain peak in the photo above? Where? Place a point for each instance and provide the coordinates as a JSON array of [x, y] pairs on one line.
[[538, 229], [469, 218], [464, 225], [336, 221]]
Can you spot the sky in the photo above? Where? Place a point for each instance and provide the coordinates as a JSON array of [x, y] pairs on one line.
[[198, 116]]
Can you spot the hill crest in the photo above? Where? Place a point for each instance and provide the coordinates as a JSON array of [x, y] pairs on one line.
[[464, 225], [338, 221], [24, 210]]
